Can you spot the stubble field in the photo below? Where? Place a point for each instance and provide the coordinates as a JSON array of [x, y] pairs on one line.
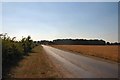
[[105, 52]]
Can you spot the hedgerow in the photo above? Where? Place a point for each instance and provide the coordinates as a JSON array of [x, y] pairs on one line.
[[13, 51]]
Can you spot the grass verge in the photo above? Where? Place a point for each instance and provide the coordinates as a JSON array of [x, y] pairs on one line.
[[36, 65]]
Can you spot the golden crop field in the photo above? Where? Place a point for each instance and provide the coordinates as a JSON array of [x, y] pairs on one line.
[[106, 52]]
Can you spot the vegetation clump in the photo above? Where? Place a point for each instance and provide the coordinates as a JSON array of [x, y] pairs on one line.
[[13, 51]]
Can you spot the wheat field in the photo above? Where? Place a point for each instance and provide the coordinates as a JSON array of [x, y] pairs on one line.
[[106, 52]]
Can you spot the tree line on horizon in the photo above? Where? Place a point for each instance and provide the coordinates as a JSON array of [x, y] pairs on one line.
[[76, 42]]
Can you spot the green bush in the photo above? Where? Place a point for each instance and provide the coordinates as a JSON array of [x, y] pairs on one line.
[[13, 51]]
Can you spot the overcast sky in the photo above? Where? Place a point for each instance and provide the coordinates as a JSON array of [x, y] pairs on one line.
[[52, 20]]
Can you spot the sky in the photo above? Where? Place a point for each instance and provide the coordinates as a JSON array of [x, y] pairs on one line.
[[60, 0], [53, 20]]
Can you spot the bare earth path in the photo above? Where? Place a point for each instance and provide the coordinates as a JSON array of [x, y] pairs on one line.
[[79, 66]]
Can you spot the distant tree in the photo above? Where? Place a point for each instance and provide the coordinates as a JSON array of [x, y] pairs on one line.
[[108, 43], [38, 42], [35, 42], [79, 42]]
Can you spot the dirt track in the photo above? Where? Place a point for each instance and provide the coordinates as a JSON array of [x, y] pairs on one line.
[[79, 66]]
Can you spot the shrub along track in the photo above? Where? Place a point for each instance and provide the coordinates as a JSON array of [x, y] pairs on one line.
[[36, 65]]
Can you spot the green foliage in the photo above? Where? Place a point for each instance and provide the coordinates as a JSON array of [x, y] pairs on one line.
[[13, 51], [27, 44]]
